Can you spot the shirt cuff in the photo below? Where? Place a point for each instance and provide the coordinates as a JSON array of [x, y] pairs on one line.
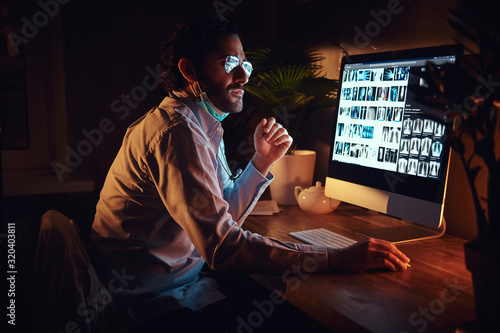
[[268, 177]]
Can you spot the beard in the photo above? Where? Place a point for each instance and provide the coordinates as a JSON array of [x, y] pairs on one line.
[[222, 98]]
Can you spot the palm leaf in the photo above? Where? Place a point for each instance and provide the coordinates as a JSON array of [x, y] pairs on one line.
[[288, 83], [268, 58]]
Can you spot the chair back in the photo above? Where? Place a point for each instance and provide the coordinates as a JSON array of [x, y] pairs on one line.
[[67, 293]]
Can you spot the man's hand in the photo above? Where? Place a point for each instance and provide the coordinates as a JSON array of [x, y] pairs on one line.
[[271, 142], [368, 254]]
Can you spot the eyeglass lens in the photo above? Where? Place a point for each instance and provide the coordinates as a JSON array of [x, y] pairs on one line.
[[232, 62]]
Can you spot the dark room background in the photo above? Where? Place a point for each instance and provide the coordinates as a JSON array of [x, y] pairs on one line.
[[91, 68]]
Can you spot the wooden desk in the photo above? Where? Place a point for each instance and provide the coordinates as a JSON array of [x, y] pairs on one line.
[[434, 295]]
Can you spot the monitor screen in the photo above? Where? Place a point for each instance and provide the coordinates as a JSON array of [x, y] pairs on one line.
[[387, 153]]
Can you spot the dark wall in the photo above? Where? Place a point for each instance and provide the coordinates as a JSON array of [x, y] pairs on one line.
[[111, 57], [111, 52]]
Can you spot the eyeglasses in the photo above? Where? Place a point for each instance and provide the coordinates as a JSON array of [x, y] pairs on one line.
[[233, 61]]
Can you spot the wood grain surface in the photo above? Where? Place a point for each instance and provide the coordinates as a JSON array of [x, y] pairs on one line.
[[434, 295]]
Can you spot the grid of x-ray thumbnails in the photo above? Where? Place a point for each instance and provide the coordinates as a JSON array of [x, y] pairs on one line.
[[376, 128]]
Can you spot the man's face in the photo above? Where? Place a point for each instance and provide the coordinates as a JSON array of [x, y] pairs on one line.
[[225, 90]]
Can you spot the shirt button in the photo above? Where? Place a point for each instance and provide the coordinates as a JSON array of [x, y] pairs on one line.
[[219, 129]]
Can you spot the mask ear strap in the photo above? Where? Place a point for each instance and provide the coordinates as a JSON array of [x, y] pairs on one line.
[[192, 72], [194, 92], [199, 87]]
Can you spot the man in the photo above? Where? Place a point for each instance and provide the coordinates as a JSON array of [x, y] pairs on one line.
[[170, 205]]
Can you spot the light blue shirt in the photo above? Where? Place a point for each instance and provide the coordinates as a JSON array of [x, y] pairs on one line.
[[168, 206]]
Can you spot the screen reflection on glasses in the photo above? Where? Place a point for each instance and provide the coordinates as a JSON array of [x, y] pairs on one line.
[[231, 62]]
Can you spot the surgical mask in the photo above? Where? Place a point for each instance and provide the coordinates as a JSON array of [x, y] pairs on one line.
[[206, 104], [203, 101]]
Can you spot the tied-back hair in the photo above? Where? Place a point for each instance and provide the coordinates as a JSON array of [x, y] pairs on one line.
[[192, 41]]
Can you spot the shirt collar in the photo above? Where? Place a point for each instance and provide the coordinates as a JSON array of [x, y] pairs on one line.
[[209, 124]]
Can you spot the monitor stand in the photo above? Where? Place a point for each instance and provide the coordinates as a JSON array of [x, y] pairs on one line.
[[403, 234]]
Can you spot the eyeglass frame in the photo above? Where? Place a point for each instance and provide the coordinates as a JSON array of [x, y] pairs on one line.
[[229, 66]]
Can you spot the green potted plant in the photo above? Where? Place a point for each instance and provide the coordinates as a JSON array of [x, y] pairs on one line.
[[289, 85], [469, 94]]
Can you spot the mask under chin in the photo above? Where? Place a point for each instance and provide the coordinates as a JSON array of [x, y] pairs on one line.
[[206, 104]]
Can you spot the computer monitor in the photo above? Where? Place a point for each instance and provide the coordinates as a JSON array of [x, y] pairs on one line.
[[387, 154]]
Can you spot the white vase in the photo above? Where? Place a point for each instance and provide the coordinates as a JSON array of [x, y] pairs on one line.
[[290, 171]]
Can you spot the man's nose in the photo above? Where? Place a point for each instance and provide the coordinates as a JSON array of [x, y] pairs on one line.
[[240, 75]]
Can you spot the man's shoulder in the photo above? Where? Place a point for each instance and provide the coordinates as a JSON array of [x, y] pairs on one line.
[[169, 113], [171, 103], [171, 117]]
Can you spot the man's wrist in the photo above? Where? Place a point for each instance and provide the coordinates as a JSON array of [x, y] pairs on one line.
[[261, 164]]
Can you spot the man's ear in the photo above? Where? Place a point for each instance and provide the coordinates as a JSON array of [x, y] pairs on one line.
[[187, 70]]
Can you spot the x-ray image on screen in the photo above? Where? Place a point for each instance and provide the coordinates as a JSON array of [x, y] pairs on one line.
[[415, 146], [407, 126], [397, 114], [388, 74], [353, 76], [402, 164], [367, 132], [401, 73], [362, 94], [354, 93], [393, 96], [381, 113], [412, 166], [402, 94], [439, 130], [389, 154], [364, 75], [370, 93], [381, 154], [417, 125], [429, 126], [388, 113], [377, 74], [405, 147], [436, 149], [371, 113], [434, 168], [339, 148], [356, 110], [362, 114], [347, 147], [340, 130], [346, 94], [382, 94], [426, 147], [394, 135], [350, 76]]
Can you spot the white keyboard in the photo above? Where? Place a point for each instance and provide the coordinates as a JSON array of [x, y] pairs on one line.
[[324, 237]]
